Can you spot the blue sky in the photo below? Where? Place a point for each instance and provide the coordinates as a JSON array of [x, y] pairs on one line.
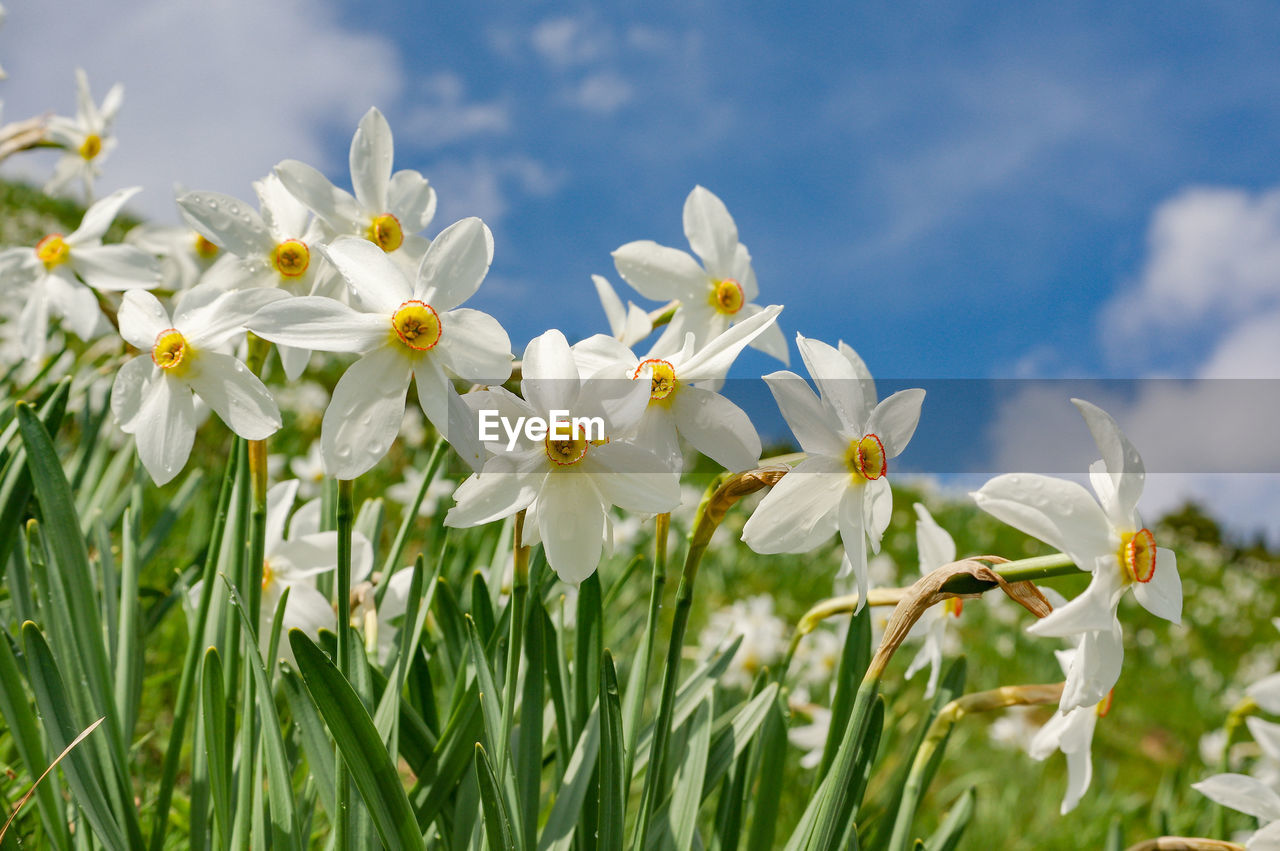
[[958, 190]]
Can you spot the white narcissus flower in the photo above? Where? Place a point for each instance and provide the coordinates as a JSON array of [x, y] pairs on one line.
[[936, 548], [566, 485], [627, 325], [389, 210], [679, 401], [152, 394], [87, 137], [1252, 797], [54, 275], [1105, 537], [812, 737], [763, 634], [1266, 691], [713, 295], [849, 440], [185, 255], [1070, 730], [401, 330]]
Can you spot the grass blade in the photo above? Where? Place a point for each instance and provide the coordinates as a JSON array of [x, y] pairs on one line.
[[557, 833], [613, 797], [497, 819]]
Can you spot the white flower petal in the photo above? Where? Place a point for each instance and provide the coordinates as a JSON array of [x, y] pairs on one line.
[[1162, 596], [1058, 512], [327, 201], [713, 360], [571, 523], [237, 395], [717, 428], [1094, 669], [550, 375], [304, 557], [1241, 793], [631, 478], [455, 264], [284, 215], [365, 413], [74, 302], [228, 222], [209, 318], [837, 383], [127, 391], [499, 490], [814, 426], [602, 354], [711, 231], [1123, 461], [934, 545], [374, 280], [323, 324], [98, 218], [33, 323], [474, 347], [433, 391], [803, 501], [854, 537], [371, 157], [1266, 734], [165, 428], [1079, 775], [411, 200], [770, 341], [894, 420], [293, 360], [1266, 692], [614, 312], [1095, 609], [280, 497], [877, 500], [661, 273], [142, 317]]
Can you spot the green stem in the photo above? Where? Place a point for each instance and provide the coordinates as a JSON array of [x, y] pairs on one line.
[[519, 590], [392, 561], [191, 662], [638, 683], [346, 650]]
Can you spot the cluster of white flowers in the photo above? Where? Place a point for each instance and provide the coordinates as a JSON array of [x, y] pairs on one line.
[[314, 268]]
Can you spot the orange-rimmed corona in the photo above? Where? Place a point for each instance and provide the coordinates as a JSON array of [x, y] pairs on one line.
[[1104, 705], [53, 250], [386, 233], [1138, 555], [663, 378], [205, 248], [566, 453], [727, 296], [417, 325], [291, 258], [866, 458], [170, 349]]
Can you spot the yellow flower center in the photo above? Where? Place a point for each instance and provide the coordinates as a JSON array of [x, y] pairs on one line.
[[170, 349], [954, 606], [267, 574], [291, 258], [386, 233], [865, 458], [91, 146], [1138, 555], [207, 249], [566, 453], [663, 381], [417, 325], [1104, 705], [53, 250], [727, 296]]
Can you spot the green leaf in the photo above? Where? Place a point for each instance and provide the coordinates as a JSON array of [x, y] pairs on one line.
[[315, 741], [15, 481], [948, 834], [360, 745], [853, 664], [527, 757], [213, 705], [773, 754], [687, 794], [497, 819], [81, 770], [557, 833], [612, 758]]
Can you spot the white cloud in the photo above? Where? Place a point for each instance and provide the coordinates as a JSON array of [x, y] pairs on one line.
[[482, 186], [602, 93], [215, 93], [443, 114], [567, 41], [1211, 279]]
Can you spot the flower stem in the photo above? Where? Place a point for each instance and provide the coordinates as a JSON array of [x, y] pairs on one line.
[[191, 662], [346, 646], [519, 590], [940, 730], [638, 682]]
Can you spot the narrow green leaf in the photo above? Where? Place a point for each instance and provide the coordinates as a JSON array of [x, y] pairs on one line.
[[948, 834], [128, 674], [80, 769], [557, 833], [1115, 835], [687, 789], [361, 746], [773, 753], [497, 820], [527, 757], [315, 741], [213, 711], [15, 483], [853, 664], [613, 786]]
